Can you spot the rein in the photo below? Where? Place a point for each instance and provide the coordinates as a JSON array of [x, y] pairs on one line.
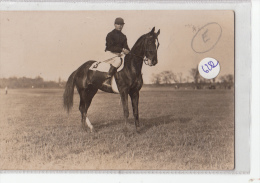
[[144, 57]]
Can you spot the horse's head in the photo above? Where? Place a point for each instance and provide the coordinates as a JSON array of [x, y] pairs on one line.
[[151, 45]]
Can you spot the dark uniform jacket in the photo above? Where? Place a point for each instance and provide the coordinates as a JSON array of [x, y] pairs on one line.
[[116, 41]]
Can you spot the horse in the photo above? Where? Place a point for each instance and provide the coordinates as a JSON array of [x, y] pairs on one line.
[[129, 80]]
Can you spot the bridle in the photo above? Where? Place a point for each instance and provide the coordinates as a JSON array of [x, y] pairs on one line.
[[145, 60]]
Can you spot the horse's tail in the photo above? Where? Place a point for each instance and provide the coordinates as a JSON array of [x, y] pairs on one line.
[[69, 92]]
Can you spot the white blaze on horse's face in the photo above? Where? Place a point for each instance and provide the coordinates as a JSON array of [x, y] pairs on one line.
[[157, 44], [150, 52], [151, 47]]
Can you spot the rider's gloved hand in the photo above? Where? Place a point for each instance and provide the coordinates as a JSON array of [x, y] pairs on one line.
[[126, 51], [119, 54]]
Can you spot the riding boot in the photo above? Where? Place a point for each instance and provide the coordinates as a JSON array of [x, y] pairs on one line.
[[111, 72]]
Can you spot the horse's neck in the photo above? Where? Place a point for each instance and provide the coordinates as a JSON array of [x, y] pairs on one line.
[[135, 59], [134, 64], [138, 48]]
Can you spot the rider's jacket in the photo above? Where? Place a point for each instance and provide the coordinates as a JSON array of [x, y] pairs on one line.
[[116, 41]]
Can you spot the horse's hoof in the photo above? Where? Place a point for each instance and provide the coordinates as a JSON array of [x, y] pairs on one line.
[[125, 128], [92, 130], [141, 124], [137, 125], [139, 128], [84, 128]]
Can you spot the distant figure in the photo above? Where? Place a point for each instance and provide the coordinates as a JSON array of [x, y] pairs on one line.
[[6, 90]]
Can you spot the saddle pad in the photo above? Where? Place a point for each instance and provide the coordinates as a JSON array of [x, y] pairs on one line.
[[114, 85], [121, 66], [100, 66]]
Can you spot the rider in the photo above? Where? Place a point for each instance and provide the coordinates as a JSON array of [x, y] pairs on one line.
[[116, 43]]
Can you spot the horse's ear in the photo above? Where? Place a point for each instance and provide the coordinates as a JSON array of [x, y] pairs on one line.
[[152, 31], [158, 32]]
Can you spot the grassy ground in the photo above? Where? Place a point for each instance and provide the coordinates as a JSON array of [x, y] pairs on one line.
[[184, 130]]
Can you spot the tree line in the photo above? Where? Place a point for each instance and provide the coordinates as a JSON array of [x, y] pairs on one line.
[[25, 82], [162, 78], [195, 79], [169, 77]]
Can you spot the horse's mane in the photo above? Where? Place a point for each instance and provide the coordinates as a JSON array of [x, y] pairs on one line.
[[137, 44], [139, 41]]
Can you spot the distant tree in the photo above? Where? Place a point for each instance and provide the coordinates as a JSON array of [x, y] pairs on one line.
[[13, 82], [24, 82], [180, 77], [168, 77], [229, 78], [38, 79], [164, 77], [227, 81], [188, 79], [156, 79], [195, 74], [213, 80], [222, 79], [204, 80], [37, 82]]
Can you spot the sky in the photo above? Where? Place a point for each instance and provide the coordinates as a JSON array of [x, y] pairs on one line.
[[52, 44]]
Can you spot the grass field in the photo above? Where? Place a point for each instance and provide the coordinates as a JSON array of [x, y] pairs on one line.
[[183, 130]]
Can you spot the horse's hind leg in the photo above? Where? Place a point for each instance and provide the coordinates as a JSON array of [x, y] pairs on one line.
[[89, 96], [82, 107], [86, 97]]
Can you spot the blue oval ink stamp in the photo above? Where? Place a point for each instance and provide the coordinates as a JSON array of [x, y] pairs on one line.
[[209, 68], [206, 38]]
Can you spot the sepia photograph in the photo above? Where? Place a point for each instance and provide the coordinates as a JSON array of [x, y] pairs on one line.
[[117, 90]]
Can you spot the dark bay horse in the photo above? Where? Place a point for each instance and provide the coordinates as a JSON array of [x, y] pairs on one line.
[[129, 80]]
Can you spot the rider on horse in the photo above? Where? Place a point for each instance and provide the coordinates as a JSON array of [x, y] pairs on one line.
[[116, 44]]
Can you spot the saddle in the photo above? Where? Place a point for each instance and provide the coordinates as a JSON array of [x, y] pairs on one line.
[[102, 75]]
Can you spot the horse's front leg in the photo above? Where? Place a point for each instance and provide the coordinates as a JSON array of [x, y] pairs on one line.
[[124, 99], [135, 100]]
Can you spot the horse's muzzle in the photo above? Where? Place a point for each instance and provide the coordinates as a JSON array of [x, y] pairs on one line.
[[155, 62], [151, 62]]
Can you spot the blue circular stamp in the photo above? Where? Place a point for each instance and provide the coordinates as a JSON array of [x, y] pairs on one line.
[[209, 68]]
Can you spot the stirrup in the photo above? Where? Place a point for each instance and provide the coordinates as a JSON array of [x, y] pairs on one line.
[[107, 82], [111, 71]]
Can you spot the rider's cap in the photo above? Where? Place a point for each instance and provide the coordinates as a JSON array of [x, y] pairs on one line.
[[119, 21]]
